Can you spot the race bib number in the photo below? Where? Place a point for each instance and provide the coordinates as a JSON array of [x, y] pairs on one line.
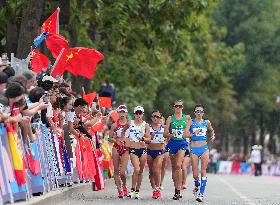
[[158, 139], [201, 131], [179, 133]]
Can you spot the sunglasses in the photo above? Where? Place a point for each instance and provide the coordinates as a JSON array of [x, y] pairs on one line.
[[199, 111], [178, 106], [156, 116], [122, 107], [138, 112]]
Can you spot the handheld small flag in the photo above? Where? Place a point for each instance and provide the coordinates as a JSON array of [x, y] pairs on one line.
[[105, 102]]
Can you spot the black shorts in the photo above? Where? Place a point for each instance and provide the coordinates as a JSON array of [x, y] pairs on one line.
[[138, 152]]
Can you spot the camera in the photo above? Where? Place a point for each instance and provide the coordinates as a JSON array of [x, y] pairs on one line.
[[1, 108], [45, 97], [4, 58]]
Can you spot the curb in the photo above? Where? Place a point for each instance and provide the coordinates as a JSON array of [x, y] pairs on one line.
[[56, 196]]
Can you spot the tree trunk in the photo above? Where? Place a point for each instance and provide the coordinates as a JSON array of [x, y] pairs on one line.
[[11, 36], [2, 3], [262, 131], [64, 15], [245, 145], [29, 27], [253, 138]]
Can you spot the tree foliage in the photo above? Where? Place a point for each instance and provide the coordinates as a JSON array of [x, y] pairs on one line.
[[223, 54]]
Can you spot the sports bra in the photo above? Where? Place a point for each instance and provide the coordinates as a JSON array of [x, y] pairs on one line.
[[158, 134], [118, 129], [201, 127], [135, 132]]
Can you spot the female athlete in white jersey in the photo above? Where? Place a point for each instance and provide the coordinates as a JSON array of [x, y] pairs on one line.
[[155, 151], [138, 132], [120, 151]]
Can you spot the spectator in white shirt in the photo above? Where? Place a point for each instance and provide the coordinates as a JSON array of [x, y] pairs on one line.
[[257, 159]]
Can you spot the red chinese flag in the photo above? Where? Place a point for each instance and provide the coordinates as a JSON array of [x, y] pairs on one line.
[[88, 97], [78, 61], [105, 102], [55, 43], [114, 115], [98, 127], [51, 24], [39, 61]]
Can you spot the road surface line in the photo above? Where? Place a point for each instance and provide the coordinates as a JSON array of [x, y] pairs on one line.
[[245, 198]]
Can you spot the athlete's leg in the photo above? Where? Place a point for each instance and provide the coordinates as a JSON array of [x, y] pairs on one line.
[[164, 166], [185, 166], [123, 167], [194, 162], [143, 160], [136, 166], [157, 170], [116, 163], [204, 164], [150, 164], [173, 167], [178, 168]]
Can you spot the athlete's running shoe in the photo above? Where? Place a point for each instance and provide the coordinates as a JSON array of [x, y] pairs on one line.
[[120, 194], [184, 186], [125, 191], [199, 197], [176, 196], [131, 194], [136, 195], [154, 196], [161, 187], [158, 193], [195, 191]]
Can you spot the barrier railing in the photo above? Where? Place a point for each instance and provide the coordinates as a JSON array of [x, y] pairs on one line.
[[45, 164], [231, 167]]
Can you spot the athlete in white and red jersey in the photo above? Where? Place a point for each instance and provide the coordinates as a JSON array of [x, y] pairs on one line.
[[120, 151]]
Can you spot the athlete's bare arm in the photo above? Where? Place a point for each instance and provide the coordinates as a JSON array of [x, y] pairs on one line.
[[111, 133], [147, 137], [166, 128], [211, 129]]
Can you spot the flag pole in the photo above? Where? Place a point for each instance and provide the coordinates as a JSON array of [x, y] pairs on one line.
[[57, 59], [57, 24], [29, 56]]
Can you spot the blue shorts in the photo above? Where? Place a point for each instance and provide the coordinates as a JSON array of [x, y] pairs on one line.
[[174, 146], [138, 152], [198, 151], [155, 153]]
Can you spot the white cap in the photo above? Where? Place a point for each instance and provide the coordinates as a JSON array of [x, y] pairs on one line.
[[138, 108], [49, 78], [255, 147], [122, 108]]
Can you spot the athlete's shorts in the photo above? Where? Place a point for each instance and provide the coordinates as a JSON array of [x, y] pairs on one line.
[[121, 149], [198, 151], [155, 153], [138, 152], [174, 146]]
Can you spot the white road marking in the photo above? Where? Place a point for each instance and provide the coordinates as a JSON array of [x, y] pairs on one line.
[[245, 198]]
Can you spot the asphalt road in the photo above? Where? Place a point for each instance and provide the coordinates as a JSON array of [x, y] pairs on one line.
[[220, 190]]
